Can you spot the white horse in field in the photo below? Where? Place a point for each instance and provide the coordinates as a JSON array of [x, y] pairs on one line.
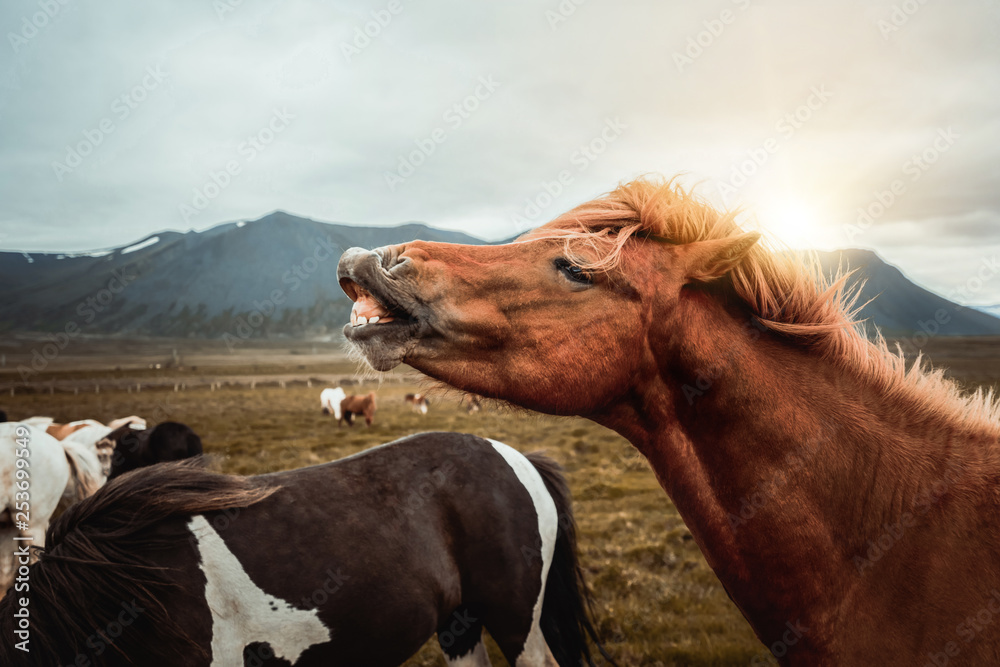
[[55, 475], [330, 399]]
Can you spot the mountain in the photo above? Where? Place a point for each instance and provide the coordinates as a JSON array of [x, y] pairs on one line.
[[899, 307], [992, 310], [278, 276], [203, 284]]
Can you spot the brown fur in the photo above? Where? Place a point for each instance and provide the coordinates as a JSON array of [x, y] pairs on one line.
[[357, 405], [61, 431]]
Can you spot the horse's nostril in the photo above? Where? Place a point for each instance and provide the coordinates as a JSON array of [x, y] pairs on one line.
[[389, 257]]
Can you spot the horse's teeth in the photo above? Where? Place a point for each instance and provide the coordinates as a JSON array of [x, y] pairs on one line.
[[362, 320], [373, 320]]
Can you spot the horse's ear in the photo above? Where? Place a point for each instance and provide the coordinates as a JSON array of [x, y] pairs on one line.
[[707, 260]]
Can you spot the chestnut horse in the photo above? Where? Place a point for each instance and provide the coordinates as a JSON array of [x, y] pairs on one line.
[[849, 505], [357, 405]]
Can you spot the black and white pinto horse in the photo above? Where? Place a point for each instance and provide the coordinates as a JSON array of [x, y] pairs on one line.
[[351, 563]]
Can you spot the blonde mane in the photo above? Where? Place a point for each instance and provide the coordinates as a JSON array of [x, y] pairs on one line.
[[788, 292]]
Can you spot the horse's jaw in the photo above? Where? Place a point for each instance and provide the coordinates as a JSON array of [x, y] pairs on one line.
[[387, 322]]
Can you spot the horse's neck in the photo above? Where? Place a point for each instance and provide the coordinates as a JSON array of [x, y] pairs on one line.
[[781, 466]]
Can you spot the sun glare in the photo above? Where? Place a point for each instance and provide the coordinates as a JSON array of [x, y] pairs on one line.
[[793, 222]]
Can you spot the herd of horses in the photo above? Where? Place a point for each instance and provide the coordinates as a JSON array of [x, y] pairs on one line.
[[335, 401], [65, 463], [847, 501]]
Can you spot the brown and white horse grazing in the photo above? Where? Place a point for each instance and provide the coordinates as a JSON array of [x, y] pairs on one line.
[[357, 405], [330, 400], [418, 402], [355, 562], [850, 506]]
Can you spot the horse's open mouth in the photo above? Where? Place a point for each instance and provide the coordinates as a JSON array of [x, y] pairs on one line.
[[386, 322], [370, 310]]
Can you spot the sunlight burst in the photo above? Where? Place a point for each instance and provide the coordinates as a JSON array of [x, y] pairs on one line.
[[793, 222]]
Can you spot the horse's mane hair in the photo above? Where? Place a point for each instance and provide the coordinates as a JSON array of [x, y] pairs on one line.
[[787, 292], [101, 553]]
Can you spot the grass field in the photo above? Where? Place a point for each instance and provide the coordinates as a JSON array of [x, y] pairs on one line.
[[657, 601]]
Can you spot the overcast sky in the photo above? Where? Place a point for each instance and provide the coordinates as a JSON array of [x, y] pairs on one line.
[[119, 119]]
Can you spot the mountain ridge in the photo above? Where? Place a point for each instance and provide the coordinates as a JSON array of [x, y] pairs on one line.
[[277, 276]]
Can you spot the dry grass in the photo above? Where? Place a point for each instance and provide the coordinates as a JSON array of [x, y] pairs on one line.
[[658, 603]]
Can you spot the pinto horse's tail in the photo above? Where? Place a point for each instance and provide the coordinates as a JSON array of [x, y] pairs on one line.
[[98, 557], [567, 610]]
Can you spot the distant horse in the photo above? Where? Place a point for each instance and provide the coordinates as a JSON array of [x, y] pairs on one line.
[[849, 505], [358, 405], [472, 403], [355, 562], [39, 478], [418, 402], [132, 448], [330, 399]]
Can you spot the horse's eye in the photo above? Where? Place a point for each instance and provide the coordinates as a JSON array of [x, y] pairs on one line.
[[574, 272]]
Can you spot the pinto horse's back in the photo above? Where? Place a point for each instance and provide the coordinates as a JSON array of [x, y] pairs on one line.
[[356, 562]]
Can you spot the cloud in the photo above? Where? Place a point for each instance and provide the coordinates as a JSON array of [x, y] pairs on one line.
[[699, 89]]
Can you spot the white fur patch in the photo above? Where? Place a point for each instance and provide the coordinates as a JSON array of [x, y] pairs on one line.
[[477, 657], [242, 613], [535, 651], [330, 399]]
